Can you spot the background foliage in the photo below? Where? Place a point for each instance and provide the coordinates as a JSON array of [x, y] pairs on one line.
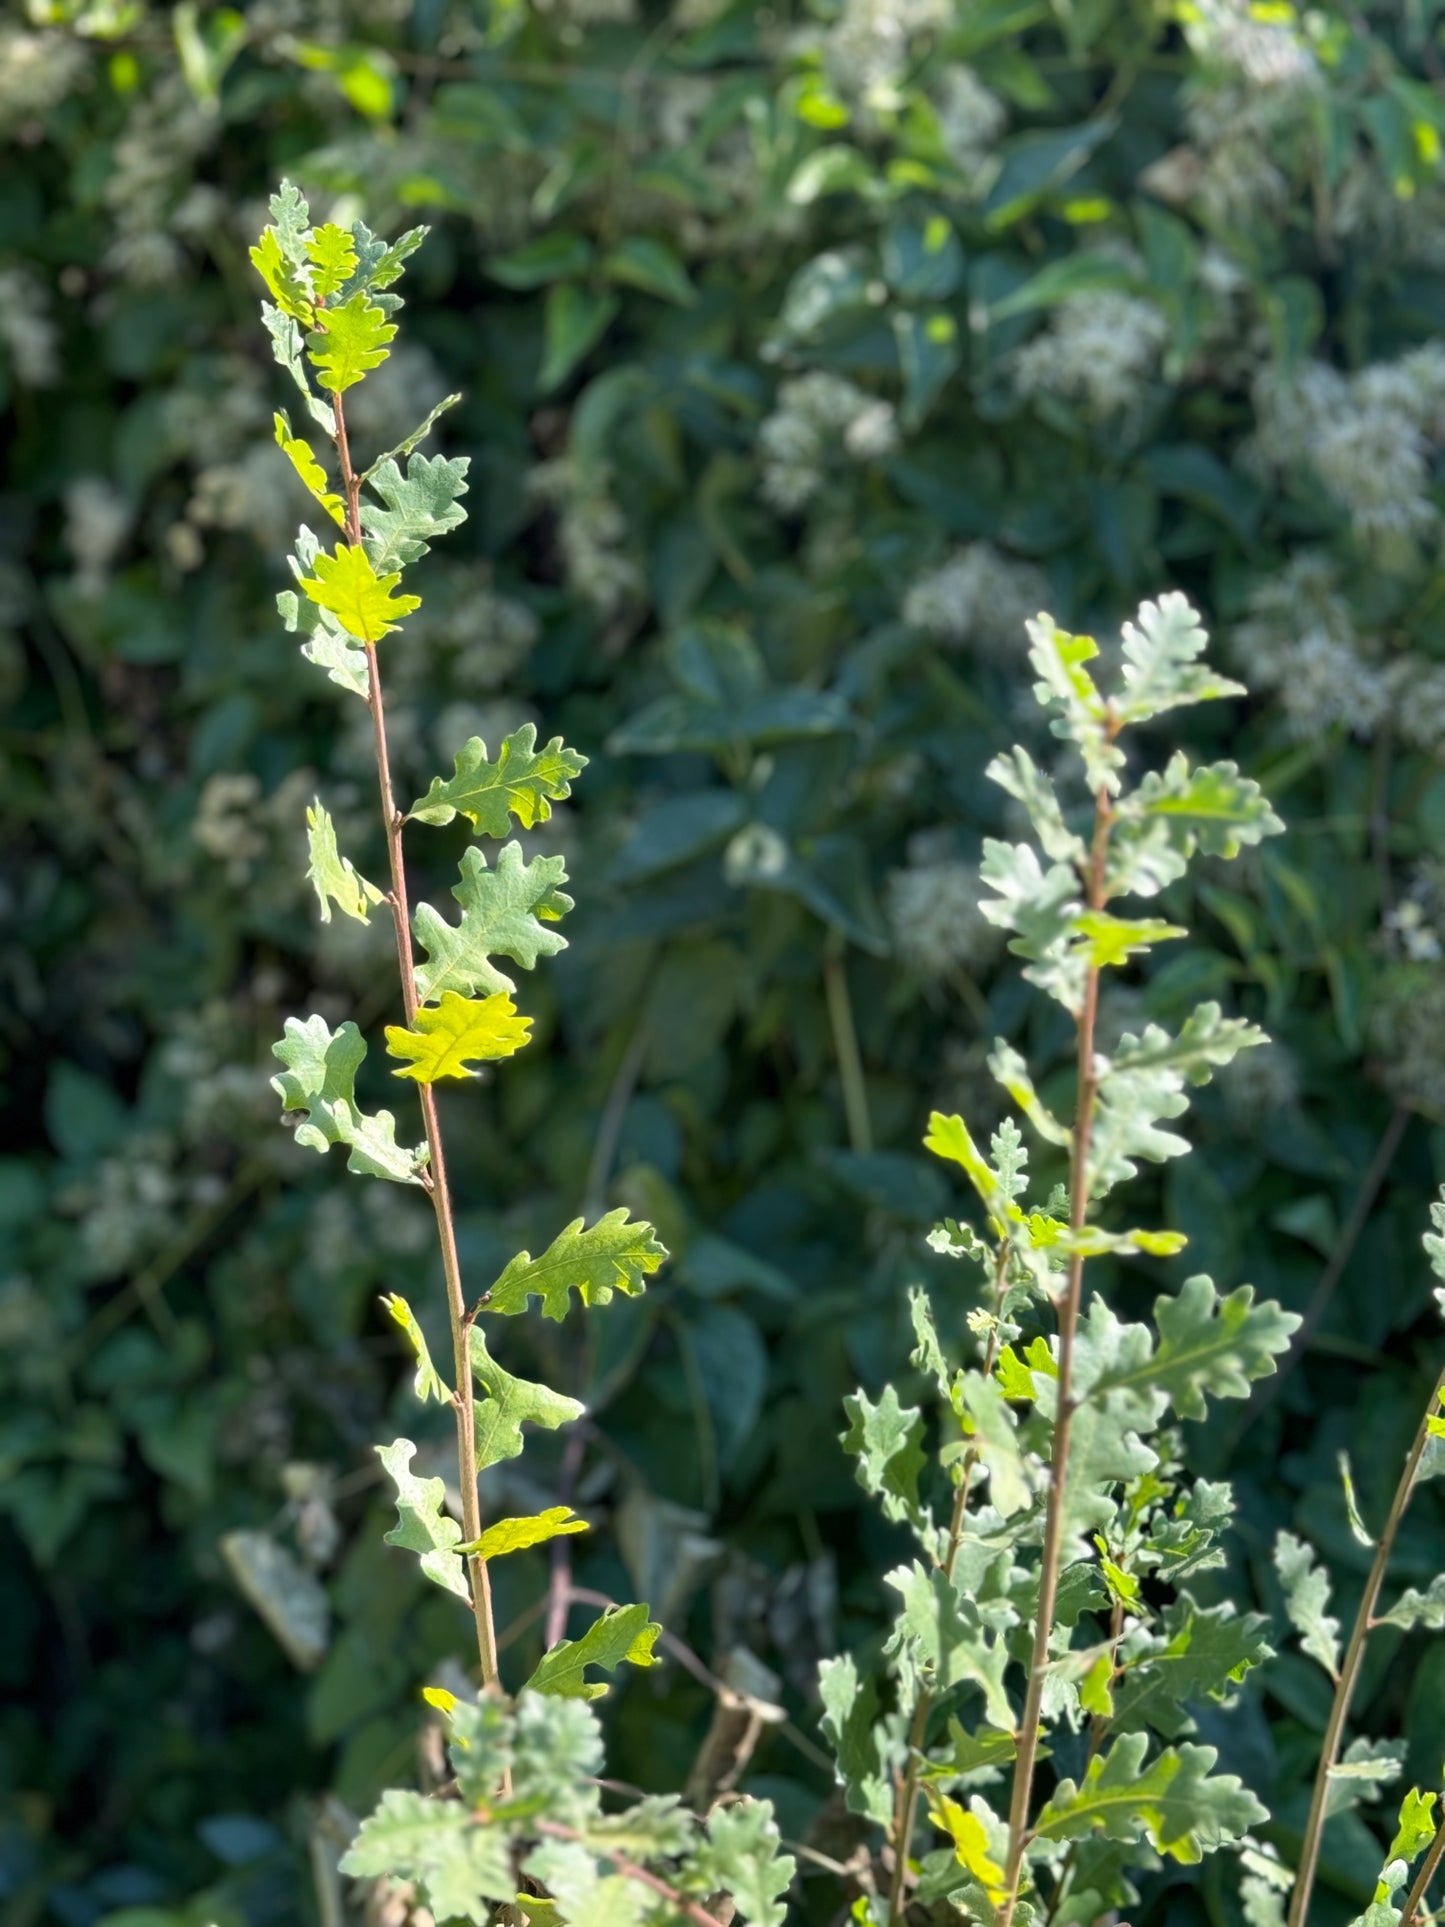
[[805, 351]]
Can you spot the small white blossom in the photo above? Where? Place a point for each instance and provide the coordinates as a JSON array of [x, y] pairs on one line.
[[26, 329], [816, 413], [1099, 349], [1267, 49], [971, 119], [97, 521], [933, 912], [978, 597]]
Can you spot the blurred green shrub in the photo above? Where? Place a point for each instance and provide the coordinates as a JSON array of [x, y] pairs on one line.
[[806, 351]]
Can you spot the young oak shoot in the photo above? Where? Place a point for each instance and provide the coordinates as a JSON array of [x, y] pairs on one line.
[[528, 1807], [1023, 1630]]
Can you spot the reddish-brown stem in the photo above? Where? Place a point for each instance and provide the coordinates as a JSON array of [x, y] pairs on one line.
[[436, 1178], [1415, 1898], [905, 1807], [1068, 1314], [1304, 1879], [688, 1908]]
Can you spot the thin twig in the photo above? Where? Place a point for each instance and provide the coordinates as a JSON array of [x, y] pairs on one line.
[[690, 1908], [1068, 1311], [392, 821], [1350, 1667], [845, 1045]]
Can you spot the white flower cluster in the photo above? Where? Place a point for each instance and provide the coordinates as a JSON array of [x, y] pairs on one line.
[[1265, 46], [592, 532], [816, 414], [933, 910], [491, 633], [37, 71], [1299, 640], [970, 118], [236, 824], [1369, 436], [980, 598], [867, 50], [1257, 1085], [1234, 172], [1100, 349], [152, 164], [205, 1056], [26, 329], [97, 522]]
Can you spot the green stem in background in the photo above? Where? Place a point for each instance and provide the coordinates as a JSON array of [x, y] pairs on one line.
[[845, 1045], [1350, 1673], [436, 1180], [1416, 1896], [906, 1805], [1068, 1315]]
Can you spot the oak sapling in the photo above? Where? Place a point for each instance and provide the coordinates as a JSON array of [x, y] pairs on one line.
[[523, 1836], [1047, 1616]]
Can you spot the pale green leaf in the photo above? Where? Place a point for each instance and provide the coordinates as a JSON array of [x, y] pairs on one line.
[[320, 1081], [1162, 670], [1065, 686], [1040, 906], [1010, 1070], [864, 1749], [429, 1382], [1158, 827], [1144, 1081], [348, 341], [1017, 772], [504, 913], [332, 874], [622, 1633], [463, 1869], [519, 1535], [283, 278], [1194, 1654], [1175, 1803], [460, 1030], [523, 782], [422, 1526], [887, 1441], [1414, 1608], [1362, 1772], [1306, 1596], [289, 350], [742, 1857], [586, 1894], [418, 434], [615, 1254], [287, 1596], [419, 506], [1207, 1344], [944, 1640], [509, 1404], [362, 601], [992, 1423]]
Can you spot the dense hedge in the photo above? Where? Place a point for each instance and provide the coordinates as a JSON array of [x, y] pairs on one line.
[[804, 351]]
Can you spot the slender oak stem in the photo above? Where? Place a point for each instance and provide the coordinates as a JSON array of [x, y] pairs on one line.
[[1415, 1899], [906, 1804], [1068, 1314], [1350, 1669], [436, 1180]]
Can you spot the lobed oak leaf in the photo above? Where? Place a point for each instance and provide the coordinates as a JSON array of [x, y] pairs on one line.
[[332, 874], [448, 1038], [615, 1254], [348, 586], [320, 1080], [523, 782], [504, 913], [622, 1633], [348, 341]]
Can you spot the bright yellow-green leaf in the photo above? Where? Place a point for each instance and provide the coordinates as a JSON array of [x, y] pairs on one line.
[[970, 1843], [458, 1030], [1114, 940], [287, 290], [348, 341], [359, 598], [1096, 1688], [948, 1137], [440, 1698], [516, 1535], [312, 474], [1416, 1827], [332, 254], [1123, 1586], [1015, 1379]]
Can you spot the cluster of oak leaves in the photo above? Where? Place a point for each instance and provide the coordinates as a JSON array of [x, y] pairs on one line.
[[523, 1826]]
